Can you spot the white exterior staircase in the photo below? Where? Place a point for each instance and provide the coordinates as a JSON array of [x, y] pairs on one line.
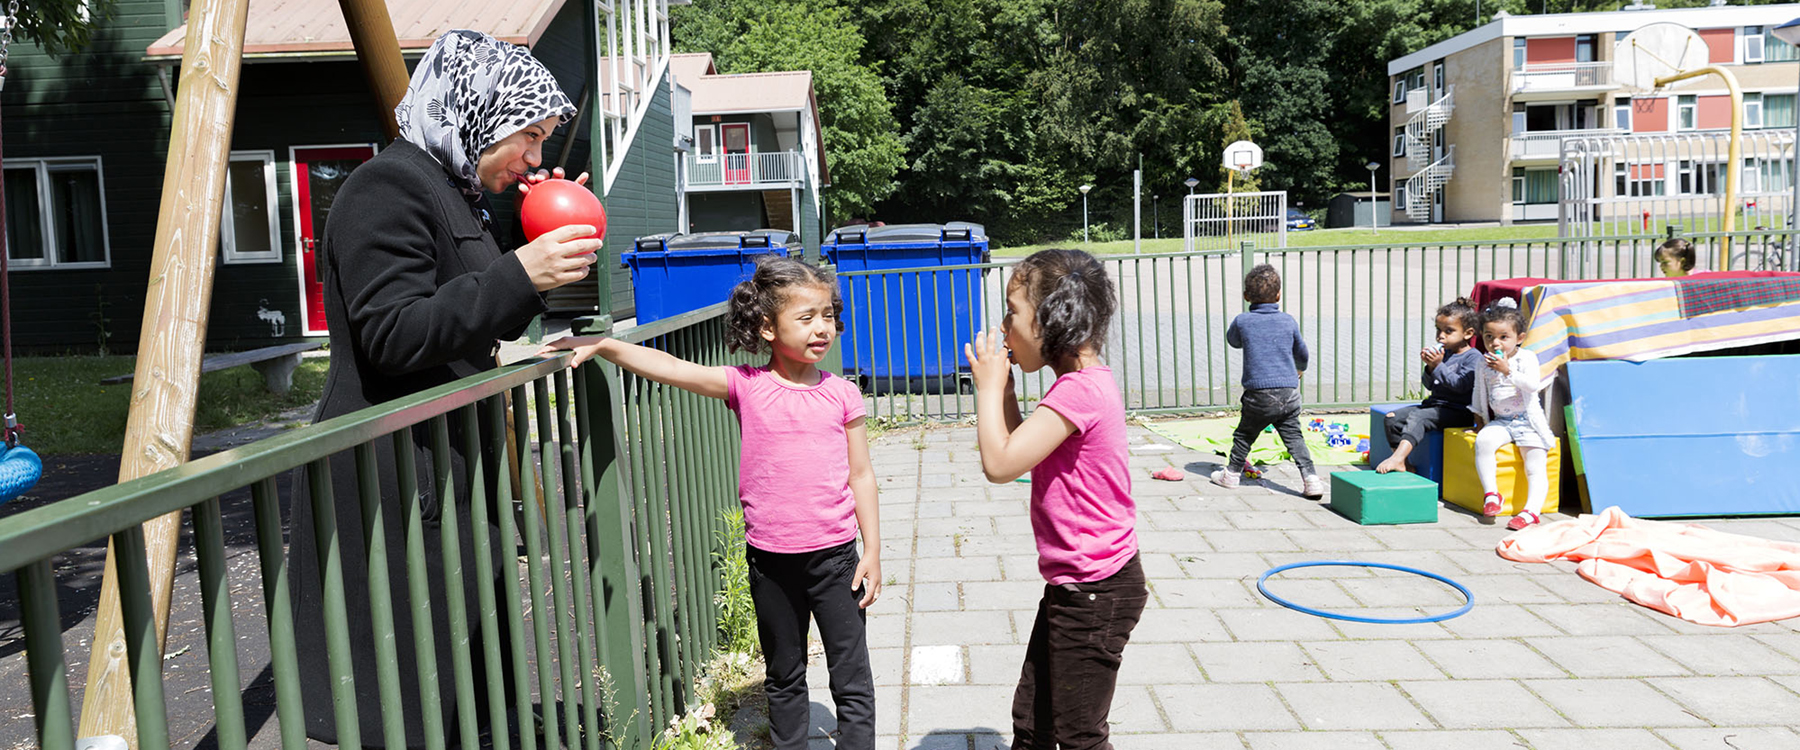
[[1430, 171]]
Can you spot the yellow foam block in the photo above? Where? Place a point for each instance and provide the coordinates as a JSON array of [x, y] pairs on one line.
[[1463, 487]]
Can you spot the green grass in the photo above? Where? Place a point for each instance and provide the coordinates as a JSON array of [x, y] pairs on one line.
[[1318, 238], [64, 409]]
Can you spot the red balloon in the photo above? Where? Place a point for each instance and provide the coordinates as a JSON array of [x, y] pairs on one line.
[[557, 203]]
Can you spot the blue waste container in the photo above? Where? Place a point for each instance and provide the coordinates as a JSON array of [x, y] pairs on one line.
[[675, 273], [904, 330]]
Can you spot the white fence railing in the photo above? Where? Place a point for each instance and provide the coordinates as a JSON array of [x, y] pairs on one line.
[[731, 171], [1218, 221], [1614, 185], [1547, 144], [1562, 76]]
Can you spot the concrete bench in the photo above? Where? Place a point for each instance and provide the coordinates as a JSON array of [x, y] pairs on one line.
[[276, 363]]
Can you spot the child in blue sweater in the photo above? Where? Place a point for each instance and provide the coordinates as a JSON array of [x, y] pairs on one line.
[[1275, 358]]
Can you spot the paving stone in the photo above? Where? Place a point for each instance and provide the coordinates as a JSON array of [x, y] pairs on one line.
[[1574, 588], [1171, 542], [1460, 739], [1254, 662], [1351, 705], [1592, 739], [1481, 704], [1370, 660], [929, 666], [1488, 659], [936, 480], [886, 630], [1313, 741], [1133, 710], [1732, 738], [1266, 519], [1402, 591], [979, 595], [1509, 589], [992, 545], [957, 628], [886, 664], [1179, 625], [1322, 540], [1418, 631], [1722, 654], [1325, 594], [1277, 559], [959, 709], [997, 665], [1481, 560], [1245, 707], [1158, 664], [1498, 620], [1612, 703], [935, 597], [1249, 541], [1185, 741], [1617, 618], [1403, 538], [1158, 565], [1747, 701], [1182, 521], [1201, 564], [970, 528], [1274, 624], [934, 508], [956, 569], [1220, 592], [1022, 568], [986, 507], [934, 546], [1606, 656]]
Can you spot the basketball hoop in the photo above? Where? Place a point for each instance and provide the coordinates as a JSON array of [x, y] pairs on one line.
[[1655, 52], [1243, 156]]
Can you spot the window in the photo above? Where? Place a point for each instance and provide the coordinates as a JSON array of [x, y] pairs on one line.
[[1518, 53], [1417, 80], [1622, 114], [1437, 75], [249, 231], [1637, 180], [1774, 173], [56, 213], [1400, 195], [1584, 48], [1753, 117], [1777, 110], [1399, 89], [1534, 185], [706, 150], [1775, 50], [1753, 44], [1399, 141], [1518, 118], [1684, 112], [1699, 178], [1518, 185]]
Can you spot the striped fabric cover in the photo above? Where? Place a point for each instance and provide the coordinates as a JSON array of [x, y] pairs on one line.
[[1641, 320]]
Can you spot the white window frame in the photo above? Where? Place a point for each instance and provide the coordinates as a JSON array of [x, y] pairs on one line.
[[1690, 104], [43, 167], [1622, 114], [1753, 44], [1400, 89], [1753, 110], [1519, 54], [229, 254], [711, 138], [1399, 142]]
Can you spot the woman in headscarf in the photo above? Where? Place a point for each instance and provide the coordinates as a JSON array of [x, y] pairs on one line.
[[417, 294]]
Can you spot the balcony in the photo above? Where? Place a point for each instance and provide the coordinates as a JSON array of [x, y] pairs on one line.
[[1546, 145], [761, 171], [1544, 78]]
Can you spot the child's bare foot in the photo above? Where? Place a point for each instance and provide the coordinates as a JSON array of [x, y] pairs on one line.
[[1393, 463]]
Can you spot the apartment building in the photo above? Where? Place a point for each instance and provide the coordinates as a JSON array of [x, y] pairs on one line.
[[1479, 120]]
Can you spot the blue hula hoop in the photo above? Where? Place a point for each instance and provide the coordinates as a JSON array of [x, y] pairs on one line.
[[1468, 598]]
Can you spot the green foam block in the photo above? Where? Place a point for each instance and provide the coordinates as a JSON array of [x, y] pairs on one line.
[[1367, 497]]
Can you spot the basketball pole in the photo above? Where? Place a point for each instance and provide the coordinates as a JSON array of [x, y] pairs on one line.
[[1733, 150]]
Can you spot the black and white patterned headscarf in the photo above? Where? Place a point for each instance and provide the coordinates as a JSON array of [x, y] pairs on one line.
[[469, 92]]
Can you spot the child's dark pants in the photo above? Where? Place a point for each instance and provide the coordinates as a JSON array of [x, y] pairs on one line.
[[1072, 663], [1270, 406], [787, 588], [1413, 422]]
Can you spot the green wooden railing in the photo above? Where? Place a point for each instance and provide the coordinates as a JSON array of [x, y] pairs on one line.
[[1364, 310], [624, 484]]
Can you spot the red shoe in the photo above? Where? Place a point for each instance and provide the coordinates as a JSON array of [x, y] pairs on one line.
[[1524, 519], [1491, 504]]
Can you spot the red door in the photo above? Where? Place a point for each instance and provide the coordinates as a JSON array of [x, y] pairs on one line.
[[737, 153], [318, 173]]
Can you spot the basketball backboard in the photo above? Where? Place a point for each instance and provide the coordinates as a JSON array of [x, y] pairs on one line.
[[1243, 156], [1658, 50]]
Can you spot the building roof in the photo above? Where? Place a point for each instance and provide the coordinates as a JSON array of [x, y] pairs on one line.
[[1569, 24], [292, 30], [715, 94]]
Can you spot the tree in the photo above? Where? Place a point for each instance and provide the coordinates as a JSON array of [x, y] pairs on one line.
[[862, 141], [62, 26]]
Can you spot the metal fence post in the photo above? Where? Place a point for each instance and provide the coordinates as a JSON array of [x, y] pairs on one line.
[[1247, 261]]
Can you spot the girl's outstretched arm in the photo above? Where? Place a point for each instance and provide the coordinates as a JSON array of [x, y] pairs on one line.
[[868, 515], [654, 364], [1007, 452]]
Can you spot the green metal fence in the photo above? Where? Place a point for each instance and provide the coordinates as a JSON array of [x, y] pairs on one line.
[[1365, 312], [608, 605]]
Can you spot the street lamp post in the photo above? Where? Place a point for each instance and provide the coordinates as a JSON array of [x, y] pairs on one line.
[[1790, 32], [1155, 216], [1084, 221], [1374, 218], [1190, 182]]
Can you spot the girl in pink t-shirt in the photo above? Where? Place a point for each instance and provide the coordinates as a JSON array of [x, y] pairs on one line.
[[805, 483], [1058, 304]]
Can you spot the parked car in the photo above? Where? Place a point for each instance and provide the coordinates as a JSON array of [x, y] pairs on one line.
[[1298, 221]]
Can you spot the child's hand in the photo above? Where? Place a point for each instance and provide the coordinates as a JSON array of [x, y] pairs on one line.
[[1432, 356], [585, 347], [868, 578], [988, 362], [1498, 364]]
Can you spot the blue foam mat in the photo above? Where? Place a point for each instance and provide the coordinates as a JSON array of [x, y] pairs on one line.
[[1700, 436]]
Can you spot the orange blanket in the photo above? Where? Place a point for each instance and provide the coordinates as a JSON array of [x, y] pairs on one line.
[[1686, 570]]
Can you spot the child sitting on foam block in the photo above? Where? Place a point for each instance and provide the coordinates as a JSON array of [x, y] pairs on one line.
[[1449, 376]]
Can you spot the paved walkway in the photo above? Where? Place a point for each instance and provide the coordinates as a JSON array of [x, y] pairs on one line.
[[1545, 660]]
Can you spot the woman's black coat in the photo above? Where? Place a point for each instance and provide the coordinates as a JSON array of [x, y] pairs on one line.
[[417, 293]]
